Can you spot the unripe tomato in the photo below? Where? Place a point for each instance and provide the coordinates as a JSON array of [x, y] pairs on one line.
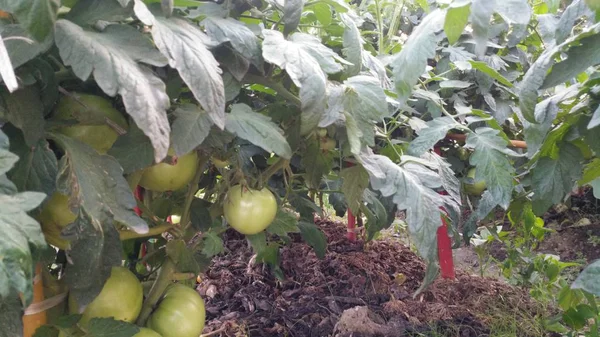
[[249, 211], [99, 136], [164, 177], [327, 144], [145, 332], [121, 297], [322, 132], [180, 313], [477, 188], [55, 216]]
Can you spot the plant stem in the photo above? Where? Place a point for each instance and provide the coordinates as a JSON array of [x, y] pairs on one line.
[[163, 280], [191, 194], [251, 79], [278, 165], [182, 276], [157, 230], [380, 26]]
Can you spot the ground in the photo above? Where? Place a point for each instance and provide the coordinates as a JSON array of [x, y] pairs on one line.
[[356, 290]]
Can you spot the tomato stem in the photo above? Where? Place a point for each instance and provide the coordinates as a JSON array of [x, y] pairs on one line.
[[281, 90], [153, 231], [163, 280], [191, 193], [279, 164]]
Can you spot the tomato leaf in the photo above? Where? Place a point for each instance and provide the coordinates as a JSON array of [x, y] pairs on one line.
[[379, 216], [109, 327], [481, 13], [112, 56], [312, 235], [305, 72], [436, 130], [37, 168], [242, 39], [37, 16], [257, 129], [200, 215], [186, 259], [24, 109], [133, 150], [96, 182], [192, 125], [7, 73], [212, 244], [11, 313], [327, 58], [412, 187], [552, 179], [355, 181], [257, 241], [284, 223], [317, 163], [95, 249], [588, 279], [88, 12], [306, 207], [410, 63], [292, 12], [185, 46], [19, 45], [353, 45], [456, 20], [579, 58], [449, 181]]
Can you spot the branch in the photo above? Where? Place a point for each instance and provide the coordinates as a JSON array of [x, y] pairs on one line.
[[153, 231], [461, 138], [252, 79], [161, 283]]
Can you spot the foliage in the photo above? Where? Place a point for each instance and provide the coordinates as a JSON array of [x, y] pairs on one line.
[[257, 89]]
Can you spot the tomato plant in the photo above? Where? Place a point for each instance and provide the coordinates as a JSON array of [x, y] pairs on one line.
[[141, 131]]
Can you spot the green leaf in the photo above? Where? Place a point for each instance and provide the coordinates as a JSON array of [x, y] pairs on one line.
[[317, 164], [191, 127], [257, 241], [552, 179], [410, 63], [242, 39], [493, 166], [436, 130], [37, 167], [323, 13], [96, 182], [588, 279], [21, 48], [257, 129], [364, 104], [88, 12], [212, 244], [355, 181], [185, 46], [314, 237], [111, 56], [284, 223], [412, 188], [481, 12], [456, 21], [133, 150], [270, 255], [571, 15], [591, 171], [7, 74], [25, 110], [378, 217], [305, 72], [95, 249], [579, 58], [37, 16], [292, 12], [449, 181], [514, 12], [109, 327], [7, 159], [484, 68], [303, 205], [353, 45], [327, 58]]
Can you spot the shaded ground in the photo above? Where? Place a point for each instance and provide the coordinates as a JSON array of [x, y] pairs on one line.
[[375, 282]]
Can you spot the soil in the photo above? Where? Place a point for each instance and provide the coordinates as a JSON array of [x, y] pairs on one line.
[[357, 289]]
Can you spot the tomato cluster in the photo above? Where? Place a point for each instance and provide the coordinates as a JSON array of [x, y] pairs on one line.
[[180, 312]]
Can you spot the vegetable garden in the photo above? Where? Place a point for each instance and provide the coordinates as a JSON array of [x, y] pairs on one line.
[[299, 168]]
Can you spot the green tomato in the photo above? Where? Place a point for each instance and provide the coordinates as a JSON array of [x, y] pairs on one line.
[[477, 188], [327, 144], [145, 332], [99, 136], [249, 211], [164, 177], [180, 313], [121, 297], [55, 216]]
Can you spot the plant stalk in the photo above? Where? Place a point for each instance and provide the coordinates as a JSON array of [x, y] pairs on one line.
[[278, 165], [191, 193], [250, 79], [157, 230], [165, 275]]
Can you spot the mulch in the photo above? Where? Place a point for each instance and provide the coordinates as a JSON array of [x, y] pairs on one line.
[[244, 298]]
